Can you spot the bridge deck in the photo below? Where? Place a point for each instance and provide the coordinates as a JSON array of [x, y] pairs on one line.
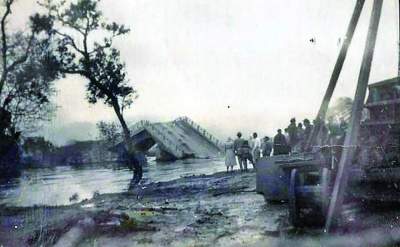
[[182, 138]]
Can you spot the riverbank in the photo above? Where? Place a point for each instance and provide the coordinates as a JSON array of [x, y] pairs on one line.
[[221, 209], [47, 186]]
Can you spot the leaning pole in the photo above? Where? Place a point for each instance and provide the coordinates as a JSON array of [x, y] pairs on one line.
[[398, 51], [342, 176], [337, 69]]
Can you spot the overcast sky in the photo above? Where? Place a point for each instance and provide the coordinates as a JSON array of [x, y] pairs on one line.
[[197, 57]]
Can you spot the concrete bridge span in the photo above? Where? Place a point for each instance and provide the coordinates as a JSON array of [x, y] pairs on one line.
[[178, 139]]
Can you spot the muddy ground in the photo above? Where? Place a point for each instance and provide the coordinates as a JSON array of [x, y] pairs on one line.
[[214, 210]]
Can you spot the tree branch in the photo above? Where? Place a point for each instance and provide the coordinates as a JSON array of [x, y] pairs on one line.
[[101, 47], [71, 40], [67, 23], [23, 57], [73, 71], [4, 43]]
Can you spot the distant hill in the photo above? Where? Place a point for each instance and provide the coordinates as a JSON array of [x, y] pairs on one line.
[[69, 133]]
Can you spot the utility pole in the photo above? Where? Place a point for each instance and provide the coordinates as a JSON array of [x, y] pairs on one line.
[[342, 176]]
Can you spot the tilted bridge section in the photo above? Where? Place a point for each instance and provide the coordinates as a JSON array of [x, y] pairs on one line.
[[178, 139]]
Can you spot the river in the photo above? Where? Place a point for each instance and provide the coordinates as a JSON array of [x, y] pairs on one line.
[[56, 186]]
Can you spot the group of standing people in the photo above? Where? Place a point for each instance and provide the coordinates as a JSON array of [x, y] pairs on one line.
[[244, 151], [297, 135], [294, 139]]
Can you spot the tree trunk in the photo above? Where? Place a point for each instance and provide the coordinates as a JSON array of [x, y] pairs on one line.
[[132, 161]]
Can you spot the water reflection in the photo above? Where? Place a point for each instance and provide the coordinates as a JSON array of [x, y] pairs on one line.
[[55, 186]]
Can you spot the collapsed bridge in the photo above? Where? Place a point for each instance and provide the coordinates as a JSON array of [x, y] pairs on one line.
[[178, 139]]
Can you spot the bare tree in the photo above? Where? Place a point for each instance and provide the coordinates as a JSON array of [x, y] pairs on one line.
[[341, 109], [109, 132]]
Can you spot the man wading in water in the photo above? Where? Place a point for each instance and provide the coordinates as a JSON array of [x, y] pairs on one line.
[[132, 161]]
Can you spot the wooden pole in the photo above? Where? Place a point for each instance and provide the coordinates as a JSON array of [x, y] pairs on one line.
[[398, 67], [354, 127], [336, 70]]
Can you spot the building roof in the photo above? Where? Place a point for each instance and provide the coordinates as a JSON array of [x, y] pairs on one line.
[[388, 82]]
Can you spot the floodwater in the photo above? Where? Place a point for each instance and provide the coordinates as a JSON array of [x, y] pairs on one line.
[[56, 186]]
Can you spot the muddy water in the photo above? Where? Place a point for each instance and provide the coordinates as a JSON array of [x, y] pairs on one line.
[[56, 186]]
